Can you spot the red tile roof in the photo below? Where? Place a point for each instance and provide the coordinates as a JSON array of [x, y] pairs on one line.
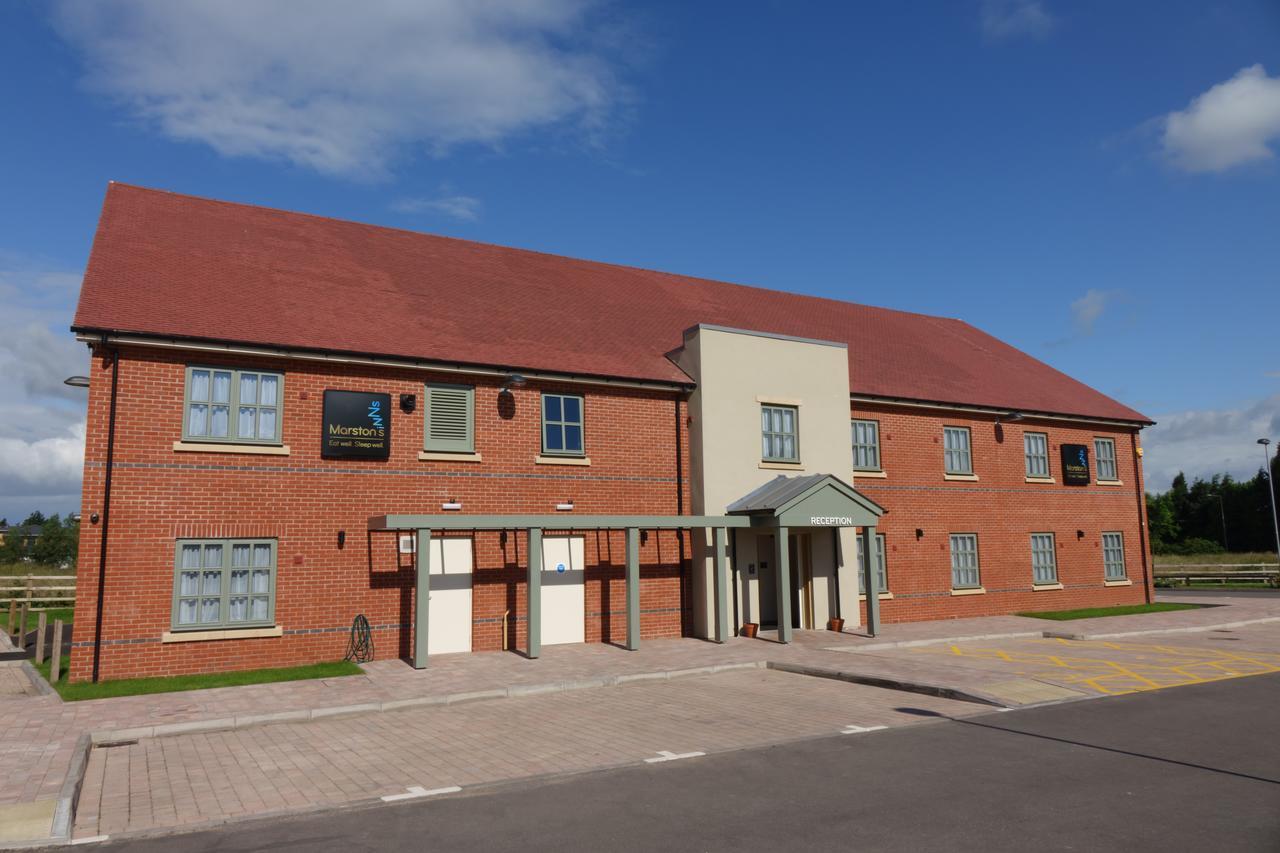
[[178, 266]]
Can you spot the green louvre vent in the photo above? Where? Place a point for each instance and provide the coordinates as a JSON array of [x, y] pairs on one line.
[[450, 418]]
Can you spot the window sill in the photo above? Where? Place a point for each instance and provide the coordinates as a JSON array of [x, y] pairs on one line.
[[232, 634], [1040, 480], [964, 478], [1125, 582], [436, 456], [1109, 482], [782, 466], [883, 596], [1038, 587], [212, 447], [878, 475], [561, 460], [977, 590]]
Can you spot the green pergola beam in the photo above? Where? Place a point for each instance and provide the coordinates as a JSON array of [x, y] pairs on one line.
[[559, 521], [783, 559], [422, 598], [633, 588], [721, 584], [534, 586], [869, 548]]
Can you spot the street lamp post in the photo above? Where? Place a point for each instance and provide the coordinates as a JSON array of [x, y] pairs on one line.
[[1275, 525], [1223, 510]]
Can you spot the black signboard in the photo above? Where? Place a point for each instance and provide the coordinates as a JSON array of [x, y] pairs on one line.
[[1075, 465], [356, 423]]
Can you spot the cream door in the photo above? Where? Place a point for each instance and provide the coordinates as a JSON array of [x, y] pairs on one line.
[[564, 601], [449, 621]]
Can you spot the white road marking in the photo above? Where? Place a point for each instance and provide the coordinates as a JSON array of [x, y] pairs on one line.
[[90, 839], [857, 730], [415, 791], [667, 755]]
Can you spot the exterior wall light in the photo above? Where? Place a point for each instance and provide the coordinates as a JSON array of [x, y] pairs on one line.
[[513, 380], [919, 533], [1010, 417], [451, 504], [408, 402], [77, 381], [1079, 534], [565, 507]]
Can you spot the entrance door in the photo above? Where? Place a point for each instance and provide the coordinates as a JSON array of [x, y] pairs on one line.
[[564, 600], [449, 620], [799, 554]]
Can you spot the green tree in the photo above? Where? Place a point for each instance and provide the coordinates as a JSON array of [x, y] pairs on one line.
[[54, 546], [36, 518]]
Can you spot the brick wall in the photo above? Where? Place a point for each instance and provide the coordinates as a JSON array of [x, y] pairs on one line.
[[1004, 510], [159, 495]]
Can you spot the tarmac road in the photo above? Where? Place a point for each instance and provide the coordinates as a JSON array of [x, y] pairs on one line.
[[1191, 768]]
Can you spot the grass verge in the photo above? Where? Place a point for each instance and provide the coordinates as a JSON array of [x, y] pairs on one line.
[[171, 684], [1122, 610]]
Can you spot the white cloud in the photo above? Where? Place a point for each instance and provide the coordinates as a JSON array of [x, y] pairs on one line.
[[344, 88], [1205, 442], [1088, 309], [1231, 124], [461, 207], [1004, 19], [41, 419]]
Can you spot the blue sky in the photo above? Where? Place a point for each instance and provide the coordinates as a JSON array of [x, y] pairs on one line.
[[1094, 182]]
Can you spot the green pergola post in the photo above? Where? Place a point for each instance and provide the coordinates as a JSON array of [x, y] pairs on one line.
[[783, 559], [633, 588], [422, 598], [534, 621], [722, 585], [869, 550]]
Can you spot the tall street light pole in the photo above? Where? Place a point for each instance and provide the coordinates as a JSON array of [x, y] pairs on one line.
[[1223, 510], [1266, 454]]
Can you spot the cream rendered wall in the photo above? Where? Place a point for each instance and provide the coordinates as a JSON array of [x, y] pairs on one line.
[[736, 371]]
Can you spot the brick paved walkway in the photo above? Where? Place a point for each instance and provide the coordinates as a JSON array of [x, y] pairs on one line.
[[190, 779], [40, 731]]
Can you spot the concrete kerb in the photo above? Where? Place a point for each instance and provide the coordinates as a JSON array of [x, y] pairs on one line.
[[907, 644], [938, 690], [64, 814], [37, 681]]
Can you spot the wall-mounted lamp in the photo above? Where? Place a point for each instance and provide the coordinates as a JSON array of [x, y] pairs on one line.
[[919, 533], [342, 539], [93, 518], [451, 504], [1079, 534], [408, 402], [565, 507], [513, 380], [644, 536], [502, 537], [1010, 417], [77, 381]]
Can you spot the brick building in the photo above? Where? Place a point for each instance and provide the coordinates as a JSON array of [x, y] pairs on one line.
[[239, 511]]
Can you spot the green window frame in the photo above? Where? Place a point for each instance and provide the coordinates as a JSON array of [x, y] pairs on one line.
[[1044, 558], [1113, 556], [957, 454], [233, 405], [882, 568], [223, 583], [563, 425], [779, 433], [1104, 454], [866, 445], [449, 414], [965, 570], [1035, 446]]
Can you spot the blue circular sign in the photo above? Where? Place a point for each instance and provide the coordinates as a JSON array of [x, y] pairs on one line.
[[560, 568]]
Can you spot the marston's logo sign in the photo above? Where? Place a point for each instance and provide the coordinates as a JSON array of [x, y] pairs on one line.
[[356, 423], [1075, 465]]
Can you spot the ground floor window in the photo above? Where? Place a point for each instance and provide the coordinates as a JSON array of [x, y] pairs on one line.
[[1113, 556], [224, 583], [964, 561], [882, 573], [1044, 562]]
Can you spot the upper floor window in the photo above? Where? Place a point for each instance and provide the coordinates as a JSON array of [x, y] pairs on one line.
[[224, 583], [778, 430], [1044, 559], [882, 574], [233, 405], [1113, 556], [866, 446], [958, 458], [1104, 450], [964, 561], [450, 418], [1036, 447], [562, 425]]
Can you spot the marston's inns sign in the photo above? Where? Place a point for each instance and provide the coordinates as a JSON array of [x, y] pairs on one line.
[[356, 423]]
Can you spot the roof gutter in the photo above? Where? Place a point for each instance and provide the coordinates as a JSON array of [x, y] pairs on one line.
[[906, 402], [209, 346]]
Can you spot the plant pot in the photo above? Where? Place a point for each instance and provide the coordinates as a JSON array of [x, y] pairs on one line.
[[749, 629], [836, 624]]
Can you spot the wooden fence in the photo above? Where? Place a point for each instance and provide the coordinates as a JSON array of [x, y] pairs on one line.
[[38, 592], [1187, 573]]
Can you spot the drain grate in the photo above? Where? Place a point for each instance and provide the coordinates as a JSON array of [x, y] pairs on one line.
[[112, 744]]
